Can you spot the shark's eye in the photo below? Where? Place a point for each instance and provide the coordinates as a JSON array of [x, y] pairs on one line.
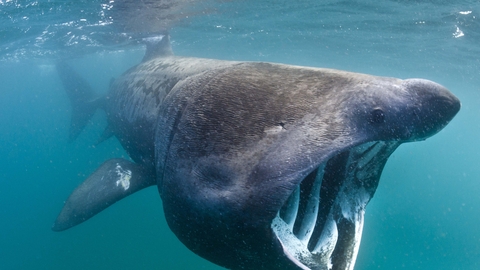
[[377, 116]]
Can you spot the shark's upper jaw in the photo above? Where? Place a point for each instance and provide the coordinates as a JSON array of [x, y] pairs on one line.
[[320, 225]]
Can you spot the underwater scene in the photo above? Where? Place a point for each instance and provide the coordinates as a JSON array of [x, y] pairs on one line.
[[425, 212]]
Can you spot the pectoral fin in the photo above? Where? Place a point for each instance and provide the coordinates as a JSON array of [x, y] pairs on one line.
[[112, 181]]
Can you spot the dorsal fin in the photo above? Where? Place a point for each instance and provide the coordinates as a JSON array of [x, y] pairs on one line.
[[157, 46]]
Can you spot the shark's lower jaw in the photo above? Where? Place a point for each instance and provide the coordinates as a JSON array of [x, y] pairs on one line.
[[320, 225]]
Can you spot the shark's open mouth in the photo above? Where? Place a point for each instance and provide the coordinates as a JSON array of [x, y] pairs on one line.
[[320, 225]]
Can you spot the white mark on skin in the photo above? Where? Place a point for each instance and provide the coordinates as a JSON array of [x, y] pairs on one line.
[[458, 33], [124, 177]]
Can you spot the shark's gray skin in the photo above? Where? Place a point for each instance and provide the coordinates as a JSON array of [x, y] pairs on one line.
[[259, 165]]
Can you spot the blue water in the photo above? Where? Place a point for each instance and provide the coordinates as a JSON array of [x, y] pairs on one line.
[[425, 213]]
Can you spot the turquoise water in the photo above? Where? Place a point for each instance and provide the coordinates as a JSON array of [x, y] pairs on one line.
[[425, 213]]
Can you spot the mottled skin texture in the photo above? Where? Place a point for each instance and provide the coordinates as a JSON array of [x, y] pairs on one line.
[[229, 141], [134, 101]]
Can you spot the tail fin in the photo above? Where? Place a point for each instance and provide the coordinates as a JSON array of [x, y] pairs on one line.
[[82, 98]]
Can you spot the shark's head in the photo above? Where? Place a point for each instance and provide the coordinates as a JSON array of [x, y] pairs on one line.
[[271, 166]]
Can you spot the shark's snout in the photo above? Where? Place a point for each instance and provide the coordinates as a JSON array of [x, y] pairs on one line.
[[433, 107]]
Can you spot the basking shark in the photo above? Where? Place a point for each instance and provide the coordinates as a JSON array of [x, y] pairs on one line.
[[259, 165]]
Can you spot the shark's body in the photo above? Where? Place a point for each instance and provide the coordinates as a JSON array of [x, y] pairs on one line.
[[259, 165]]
